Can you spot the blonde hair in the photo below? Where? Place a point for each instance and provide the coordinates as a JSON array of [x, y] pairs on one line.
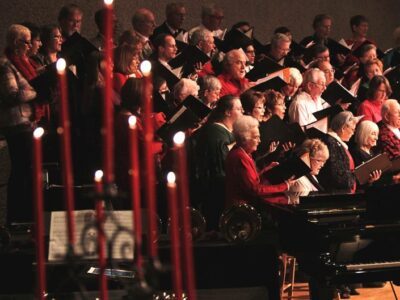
[[363, 131], [312, 147], [16, 32]]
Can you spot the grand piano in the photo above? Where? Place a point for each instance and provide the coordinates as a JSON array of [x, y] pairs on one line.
[[343, 238]]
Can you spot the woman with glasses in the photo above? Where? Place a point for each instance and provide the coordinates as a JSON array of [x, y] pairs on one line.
[[314, 153], [51, 43], [16, 119]]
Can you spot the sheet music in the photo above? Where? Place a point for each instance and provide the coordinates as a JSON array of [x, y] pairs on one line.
[[86, 235]]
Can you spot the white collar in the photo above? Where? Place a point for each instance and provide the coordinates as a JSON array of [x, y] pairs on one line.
[[334, 135]]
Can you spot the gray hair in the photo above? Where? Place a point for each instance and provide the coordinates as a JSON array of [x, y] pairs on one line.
[[279, 37], [242, 128], [312, 75], [208, 83], [231, 57], [343, 119], [363, 132], [16, 32], [313, 146], [200, 35], [387, 107], [185, 87]]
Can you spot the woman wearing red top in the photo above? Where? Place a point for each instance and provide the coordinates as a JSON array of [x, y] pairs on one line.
[[243, 183], [126, 63], [378, 92], [131, 102]]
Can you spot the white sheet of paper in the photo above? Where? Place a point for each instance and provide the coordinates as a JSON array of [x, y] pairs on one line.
[[86, 235]]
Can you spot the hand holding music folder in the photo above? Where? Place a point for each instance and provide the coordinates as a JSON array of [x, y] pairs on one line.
[[330, 111], [274, 82], [47, 82], [379, 162], [293, 167], [263, 68], [186, 116], [336, 91], [191, 54]]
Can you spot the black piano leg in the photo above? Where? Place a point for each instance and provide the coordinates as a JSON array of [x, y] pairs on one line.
[[320, 290]]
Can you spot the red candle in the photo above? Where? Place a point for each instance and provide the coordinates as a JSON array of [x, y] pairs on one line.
[[135, 194], [101, 239], [38, 205], [174, 235], [149, 169], [66, 157], [108, 110], [186, 235]]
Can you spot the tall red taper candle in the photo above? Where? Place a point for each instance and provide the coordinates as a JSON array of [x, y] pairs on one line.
[[186, 234], [149, 170], [101, 238], [66, 156], [135, 194], [108, 109], [38, 205], [174, 235]]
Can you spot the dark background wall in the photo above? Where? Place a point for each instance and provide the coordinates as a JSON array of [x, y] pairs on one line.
[[265, 15]]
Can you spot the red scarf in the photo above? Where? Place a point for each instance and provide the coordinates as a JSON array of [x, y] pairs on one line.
[[23, 64], [27, 68]]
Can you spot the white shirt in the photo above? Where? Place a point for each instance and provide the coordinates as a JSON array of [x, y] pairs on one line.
[[302, 108], [396, 131]]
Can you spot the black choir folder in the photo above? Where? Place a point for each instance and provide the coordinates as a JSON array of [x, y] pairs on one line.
[[76, 48], [379, 162], [330, 112], [273, 82], [277, 130], [191, 54], [186, 116], [294, 166], [335, 91], [263, 68]]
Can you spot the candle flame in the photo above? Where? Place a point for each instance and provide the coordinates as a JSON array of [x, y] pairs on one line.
[[171, 177], [108, 2], [145, 67], [179, 138], [98, 175], [61, 65], [37, 134], [132, 122]]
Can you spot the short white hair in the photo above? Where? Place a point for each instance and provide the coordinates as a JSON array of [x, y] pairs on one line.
[[295, 77], [242, 128], [363, 132], [184, 88], [313, 75], [387, 106], [16, 32], [199, 35]]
